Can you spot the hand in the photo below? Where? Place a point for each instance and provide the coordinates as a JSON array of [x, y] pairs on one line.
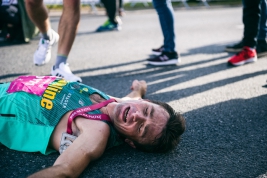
[[139, 86]]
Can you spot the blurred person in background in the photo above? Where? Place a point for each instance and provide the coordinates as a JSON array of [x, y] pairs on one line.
[[15, 25]]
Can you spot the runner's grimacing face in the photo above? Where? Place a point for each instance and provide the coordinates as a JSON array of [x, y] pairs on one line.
[[138, 120]]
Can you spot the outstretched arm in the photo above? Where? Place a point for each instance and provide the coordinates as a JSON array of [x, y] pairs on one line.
[[139, 88]]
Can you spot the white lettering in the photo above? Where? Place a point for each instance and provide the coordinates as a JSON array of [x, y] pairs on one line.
[[65, 103]]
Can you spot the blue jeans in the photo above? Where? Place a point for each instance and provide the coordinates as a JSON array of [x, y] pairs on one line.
[[166, 18]]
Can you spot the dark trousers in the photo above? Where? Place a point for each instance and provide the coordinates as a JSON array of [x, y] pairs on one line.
[[251, 20], [262, 34], [10, 22], [111, 7]]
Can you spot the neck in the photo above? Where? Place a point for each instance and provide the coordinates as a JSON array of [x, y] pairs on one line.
[[95, 98]]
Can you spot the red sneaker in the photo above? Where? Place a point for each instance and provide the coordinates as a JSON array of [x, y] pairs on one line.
[[247, 55]]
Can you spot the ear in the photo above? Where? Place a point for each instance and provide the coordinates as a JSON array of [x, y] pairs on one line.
[[129, 142]]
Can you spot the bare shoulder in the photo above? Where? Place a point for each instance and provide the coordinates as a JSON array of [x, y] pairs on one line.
[[92, 126], [94, 133]]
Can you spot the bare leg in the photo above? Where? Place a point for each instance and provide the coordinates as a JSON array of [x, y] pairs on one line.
[[37, 12], [67, 29], [68, 25]]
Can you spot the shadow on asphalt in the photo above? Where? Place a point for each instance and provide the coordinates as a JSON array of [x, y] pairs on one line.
[[6, 43], [12, 75], [230, 136], [208, 49], [178, 94], [176, 77], [167, 76], [86, 33]]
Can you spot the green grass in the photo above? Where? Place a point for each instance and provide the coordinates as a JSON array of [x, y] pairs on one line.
[[191, 3]]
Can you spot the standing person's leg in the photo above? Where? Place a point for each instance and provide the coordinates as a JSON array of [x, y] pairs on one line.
[[261, 43], [110, 6], [237, 47], [112, 23], [166, 18], [37, 12], [67, 29], [251, 16]]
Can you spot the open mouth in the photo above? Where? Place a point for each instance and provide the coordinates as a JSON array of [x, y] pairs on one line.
[[126, 114]]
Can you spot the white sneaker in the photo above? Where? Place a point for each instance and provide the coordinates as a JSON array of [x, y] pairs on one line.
[[43, 53], [65, 72]]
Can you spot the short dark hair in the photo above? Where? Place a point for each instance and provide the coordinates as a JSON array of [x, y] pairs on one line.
[[170, 136]]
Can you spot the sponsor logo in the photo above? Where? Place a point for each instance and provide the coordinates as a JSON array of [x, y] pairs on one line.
[[74, 86], [84, 89], [81, 102], [65, 103], [51, 92]]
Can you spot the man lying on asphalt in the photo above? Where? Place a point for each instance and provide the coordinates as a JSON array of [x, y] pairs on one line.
[[47, 114]]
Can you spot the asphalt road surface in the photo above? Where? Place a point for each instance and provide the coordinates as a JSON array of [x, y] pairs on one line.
[[225, 107]]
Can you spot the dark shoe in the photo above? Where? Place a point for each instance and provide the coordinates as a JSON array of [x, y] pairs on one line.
[[158, 51], [166, 58], [235, 48], [261, 48]]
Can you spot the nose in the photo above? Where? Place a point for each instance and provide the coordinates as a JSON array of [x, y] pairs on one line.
[[138, 117]]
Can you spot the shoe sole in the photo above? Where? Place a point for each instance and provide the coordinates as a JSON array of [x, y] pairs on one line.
[[57, 74], [233, 50], [116, 29], [250, 60], [107, 30], [169, 62]]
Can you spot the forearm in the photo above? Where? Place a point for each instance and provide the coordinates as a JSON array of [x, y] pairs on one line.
[[138, 89], [134, 95]]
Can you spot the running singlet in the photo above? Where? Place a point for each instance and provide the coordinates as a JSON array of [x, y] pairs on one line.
[[31, 107]]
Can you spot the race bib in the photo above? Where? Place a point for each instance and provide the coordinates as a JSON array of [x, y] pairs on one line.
[[31, 84]]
